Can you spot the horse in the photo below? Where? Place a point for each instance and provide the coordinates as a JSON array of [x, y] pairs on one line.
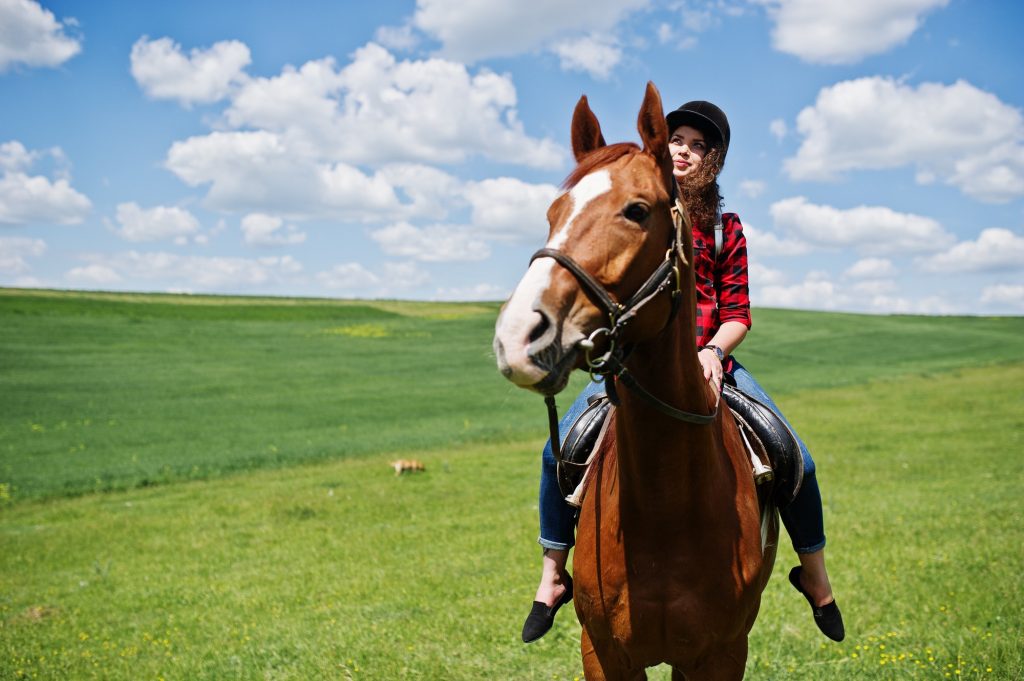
[[672, 549]]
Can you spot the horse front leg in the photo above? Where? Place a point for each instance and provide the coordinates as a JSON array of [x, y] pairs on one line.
[[603, 663], [725, 663]]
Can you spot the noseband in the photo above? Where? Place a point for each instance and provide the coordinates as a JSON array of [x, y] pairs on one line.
[[611, 363]]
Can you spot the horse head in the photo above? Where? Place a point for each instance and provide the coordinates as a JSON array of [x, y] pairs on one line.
[[610, 229]]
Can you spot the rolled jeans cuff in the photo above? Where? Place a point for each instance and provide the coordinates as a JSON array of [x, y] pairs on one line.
[[813, 549], [553, 545]]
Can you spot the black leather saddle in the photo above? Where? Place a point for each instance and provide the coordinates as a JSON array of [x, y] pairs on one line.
[[772, 441], [579, 442]]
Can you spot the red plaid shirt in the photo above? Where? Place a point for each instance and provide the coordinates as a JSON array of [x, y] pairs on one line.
[[722, 293]]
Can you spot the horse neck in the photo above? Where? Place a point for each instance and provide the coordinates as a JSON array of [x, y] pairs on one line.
[[656, 451]]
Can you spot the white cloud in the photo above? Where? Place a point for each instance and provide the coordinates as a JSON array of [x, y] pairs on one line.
[[31, 282], [204, 76], [957, 134], [379, 110], [405, 275], [1009, 295], [170, 271], [874, 289], [995, 250], [397, 37], [295, 144], [698, 20], [995, 175], [353, 279], [506, 208], [694, 17], [470, 30], [765, 276], [667, 34], [256, 172], [844, 32], [93, 275], [265, 230], [502, 209], [488, 292], [596, 54], [752, 188], [32, 36], [15, 157], [15, 250], [871, 268], [35, 199], [432, 192], [865, 228], [875, 294], [778, 129], [813, 293], [436, 243], [154, 224], [348, 276], [766, 244]]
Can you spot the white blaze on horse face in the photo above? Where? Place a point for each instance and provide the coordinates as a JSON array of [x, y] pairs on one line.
[[520, 316], [586, 190]]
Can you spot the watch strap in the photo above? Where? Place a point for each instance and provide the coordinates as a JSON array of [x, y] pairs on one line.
[[719, 353]]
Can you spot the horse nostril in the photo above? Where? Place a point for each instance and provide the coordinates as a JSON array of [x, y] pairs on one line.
[[542, 327]]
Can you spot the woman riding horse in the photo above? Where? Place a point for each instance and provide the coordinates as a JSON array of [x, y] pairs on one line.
[[698, 144]]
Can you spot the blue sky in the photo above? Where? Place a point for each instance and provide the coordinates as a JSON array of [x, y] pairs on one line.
[[410, 149]]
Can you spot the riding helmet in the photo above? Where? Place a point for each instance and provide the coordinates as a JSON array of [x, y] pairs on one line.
[[704, 116]]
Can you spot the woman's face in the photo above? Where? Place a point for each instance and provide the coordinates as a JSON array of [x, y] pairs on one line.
[[687, 146]]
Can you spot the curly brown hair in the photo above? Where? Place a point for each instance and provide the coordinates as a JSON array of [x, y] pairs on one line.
[[700, 192]]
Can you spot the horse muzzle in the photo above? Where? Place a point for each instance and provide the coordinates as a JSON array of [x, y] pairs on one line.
[[530, 350]]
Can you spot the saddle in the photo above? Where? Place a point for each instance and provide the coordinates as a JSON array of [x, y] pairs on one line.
[[580, 445], [770, 440], [777, 463]]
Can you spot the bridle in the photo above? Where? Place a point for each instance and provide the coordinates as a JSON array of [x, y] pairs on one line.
[[612, 363]]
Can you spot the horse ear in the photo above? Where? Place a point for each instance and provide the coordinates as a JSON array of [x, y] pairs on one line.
[[586, 131], [651, 124]]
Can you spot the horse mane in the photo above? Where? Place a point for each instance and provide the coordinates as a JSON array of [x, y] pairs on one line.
[[595, 159]]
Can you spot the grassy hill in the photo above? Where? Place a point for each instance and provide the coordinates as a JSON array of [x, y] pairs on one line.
[[112, 391], [295, 553]]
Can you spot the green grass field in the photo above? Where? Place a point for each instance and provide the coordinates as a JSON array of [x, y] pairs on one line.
[[197, 488]]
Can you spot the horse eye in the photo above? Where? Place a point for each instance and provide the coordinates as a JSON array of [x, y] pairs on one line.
[[636, 212]]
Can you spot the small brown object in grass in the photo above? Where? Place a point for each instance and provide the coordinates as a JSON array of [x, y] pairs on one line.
[[407, 466]]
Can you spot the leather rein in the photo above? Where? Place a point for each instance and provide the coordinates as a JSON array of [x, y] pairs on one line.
[[612, 363]]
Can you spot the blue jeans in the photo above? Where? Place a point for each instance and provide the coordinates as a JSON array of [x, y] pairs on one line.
[[802, 517]]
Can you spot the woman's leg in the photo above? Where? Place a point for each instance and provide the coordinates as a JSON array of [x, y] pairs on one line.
[[557, 518], [803, 516]]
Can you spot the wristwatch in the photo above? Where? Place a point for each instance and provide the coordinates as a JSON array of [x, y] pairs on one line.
[[717, 350]]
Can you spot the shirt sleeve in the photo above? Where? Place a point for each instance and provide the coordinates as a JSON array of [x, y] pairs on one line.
[[731, 276]]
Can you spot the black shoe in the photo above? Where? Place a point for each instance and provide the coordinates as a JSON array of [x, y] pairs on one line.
[[827, 617], [541, 617]]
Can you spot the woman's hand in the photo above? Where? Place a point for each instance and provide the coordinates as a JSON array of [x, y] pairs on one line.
[[712, 367]]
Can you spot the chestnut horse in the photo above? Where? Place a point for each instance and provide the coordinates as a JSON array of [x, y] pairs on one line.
[[672, 550]]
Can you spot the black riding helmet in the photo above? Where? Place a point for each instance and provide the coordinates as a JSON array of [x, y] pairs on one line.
[[704, 116]]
